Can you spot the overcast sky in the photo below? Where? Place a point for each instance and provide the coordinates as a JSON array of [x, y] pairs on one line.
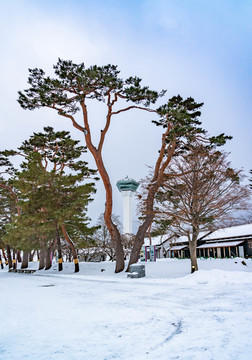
[[193, 48]]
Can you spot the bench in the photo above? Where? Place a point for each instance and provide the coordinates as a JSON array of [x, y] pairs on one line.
[[24, 271], [136, 271]]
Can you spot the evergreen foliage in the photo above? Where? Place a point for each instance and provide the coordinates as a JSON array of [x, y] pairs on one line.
[[50, 191], [74, 83], [72, 87]]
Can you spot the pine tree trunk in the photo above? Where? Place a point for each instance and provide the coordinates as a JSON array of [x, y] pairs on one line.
[[60, 260], [25, 262], [31, 255], [5, 258], [41, 259], [119, 253], [76, 262], [19, 259], [112, 228], [139, 240], [14, 261], [9, 256], [48, 261], [1, 262]]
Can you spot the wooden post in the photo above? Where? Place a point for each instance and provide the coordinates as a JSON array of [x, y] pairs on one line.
[[229, 251]]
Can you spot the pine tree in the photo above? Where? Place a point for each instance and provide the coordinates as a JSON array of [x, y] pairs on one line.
[[72, 89], [50, 198]]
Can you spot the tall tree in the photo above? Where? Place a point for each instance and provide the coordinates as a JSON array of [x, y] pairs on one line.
[[180, 120], [7, 211], [71, 90], [48, 196], [199, 192]]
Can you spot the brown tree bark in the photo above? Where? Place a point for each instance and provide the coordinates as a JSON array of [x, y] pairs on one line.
[[1, 263], [155, 183], [112, 228], [60, 260], [31, 255], [9, 256], [76, 262], [139, 240], [48, 260], [14, 260], [41, 259], [193, 249], [5, 258], [193, 256], [97, 154], [48, 255], [19, 259], [25, 261]]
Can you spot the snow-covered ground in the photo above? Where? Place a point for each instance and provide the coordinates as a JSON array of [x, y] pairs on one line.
[[94, 314]]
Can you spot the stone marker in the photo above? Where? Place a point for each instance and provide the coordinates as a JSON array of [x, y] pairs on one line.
[[136, 271]]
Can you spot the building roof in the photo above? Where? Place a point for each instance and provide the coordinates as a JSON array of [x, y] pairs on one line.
[[220, 244], [184, 238], [127, 184], [157, 240], [233, 231], [160, 239], [238, 233], [179, 247]]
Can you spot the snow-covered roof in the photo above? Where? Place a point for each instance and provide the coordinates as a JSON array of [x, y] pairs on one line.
[[157, 240], [226, 233], [184, 238], [220, 244], [233, 231], [179, 247], [154, 240]]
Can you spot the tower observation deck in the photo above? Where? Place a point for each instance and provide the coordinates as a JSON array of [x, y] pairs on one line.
[[127, 187]]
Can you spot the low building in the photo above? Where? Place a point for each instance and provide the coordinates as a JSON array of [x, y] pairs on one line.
[[227, 242], [162, 244]]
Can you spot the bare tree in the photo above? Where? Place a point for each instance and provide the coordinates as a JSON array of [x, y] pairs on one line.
[[199, 192], [103, 241]]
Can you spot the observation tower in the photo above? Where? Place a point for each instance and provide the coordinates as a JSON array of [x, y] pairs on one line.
[[127, 187]]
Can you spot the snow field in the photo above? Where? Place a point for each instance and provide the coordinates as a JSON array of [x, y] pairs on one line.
[[167, 315]]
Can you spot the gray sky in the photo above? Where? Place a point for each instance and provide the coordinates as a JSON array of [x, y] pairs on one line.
[[195, 48]]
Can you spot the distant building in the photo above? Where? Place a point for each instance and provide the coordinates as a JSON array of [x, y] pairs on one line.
[[228, 242]]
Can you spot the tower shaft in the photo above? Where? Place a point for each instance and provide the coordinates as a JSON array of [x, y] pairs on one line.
[[127, 212]]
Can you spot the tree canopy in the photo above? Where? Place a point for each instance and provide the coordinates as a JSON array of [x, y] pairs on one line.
[[200, 190], [50, 191], [69, 92]]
